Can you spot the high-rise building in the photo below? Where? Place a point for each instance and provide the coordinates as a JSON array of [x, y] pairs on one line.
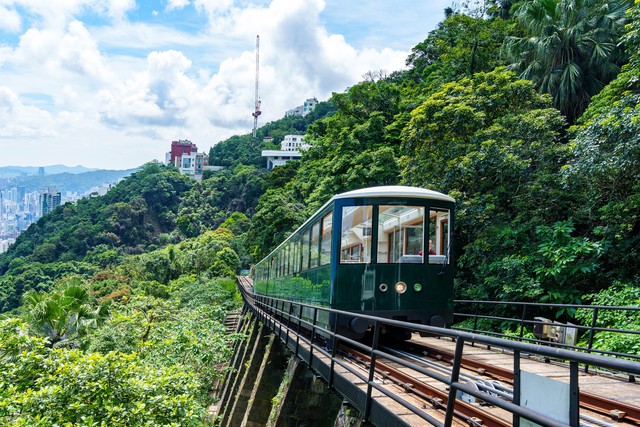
[[20, 193], [49, 200]]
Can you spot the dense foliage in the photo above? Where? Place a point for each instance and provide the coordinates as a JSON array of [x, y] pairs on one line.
[[137, 343], [114, 306], [546, 212]]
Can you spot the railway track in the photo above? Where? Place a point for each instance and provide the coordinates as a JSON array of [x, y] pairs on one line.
[[427, 386], [616, 410], [486, 377]]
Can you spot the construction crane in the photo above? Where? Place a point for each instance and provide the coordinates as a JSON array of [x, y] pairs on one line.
[[257, 111]]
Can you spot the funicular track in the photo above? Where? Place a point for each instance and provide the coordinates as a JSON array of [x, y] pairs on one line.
[[616, 410], [390, 390]]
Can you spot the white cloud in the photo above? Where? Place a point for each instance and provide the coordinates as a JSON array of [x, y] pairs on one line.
[[177, 4], [22, 121], [10, 20], [78, 52], [117, 9], [157, 97], [55, 52], [112, 89]]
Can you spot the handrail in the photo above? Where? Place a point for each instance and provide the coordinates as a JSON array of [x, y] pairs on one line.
[[287, 322], [522, 322]]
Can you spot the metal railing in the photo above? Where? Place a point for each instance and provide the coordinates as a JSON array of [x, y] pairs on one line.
[[529, 320], [318, 347]]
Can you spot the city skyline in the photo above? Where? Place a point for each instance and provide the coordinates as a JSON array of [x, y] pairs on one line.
[[109, 84]]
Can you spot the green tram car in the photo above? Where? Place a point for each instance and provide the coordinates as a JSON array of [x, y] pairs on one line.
[[381, 251]]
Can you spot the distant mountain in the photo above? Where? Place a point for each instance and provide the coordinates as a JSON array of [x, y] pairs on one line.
[[48, 170], [79, 182]]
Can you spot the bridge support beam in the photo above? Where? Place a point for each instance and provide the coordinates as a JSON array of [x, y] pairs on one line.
[[305, 399], [232, 382], [266, 371], [268, 386]]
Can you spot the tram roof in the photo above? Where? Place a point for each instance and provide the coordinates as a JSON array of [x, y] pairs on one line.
[[395, 191]]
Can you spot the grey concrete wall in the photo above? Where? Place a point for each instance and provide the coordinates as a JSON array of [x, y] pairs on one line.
[[269, 387]]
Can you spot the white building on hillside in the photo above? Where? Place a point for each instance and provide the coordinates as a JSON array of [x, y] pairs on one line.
[[304, 109], [290, 149]]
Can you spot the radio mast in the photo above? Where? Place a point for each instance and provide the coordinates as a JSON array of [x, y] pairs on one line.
[[257, 111]]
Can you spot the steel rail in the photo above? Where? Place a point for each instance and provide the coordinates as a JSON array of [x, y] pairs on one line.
[[282, 324], [616, 409], [464, 411]]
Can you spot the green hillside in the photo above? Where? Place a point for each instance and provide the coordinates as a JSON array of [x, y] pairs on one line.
[[541, 153]]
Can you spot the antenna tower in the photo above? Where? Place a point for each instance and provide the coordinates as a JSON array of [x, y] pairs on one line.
[[257, 111]]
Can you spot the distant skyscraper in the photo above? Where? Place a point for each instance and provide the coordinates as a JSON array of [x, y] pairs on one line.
[[20, 193], [41, 171], [49, 200]]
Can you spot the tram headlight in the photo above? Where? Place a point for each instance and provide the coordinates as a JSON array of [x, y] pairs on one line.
[[417, 287], [383, 287], [401, 287]]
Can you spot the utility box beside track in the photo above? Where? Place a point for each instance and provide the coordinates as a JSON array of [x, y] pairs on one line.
[[553, 331]]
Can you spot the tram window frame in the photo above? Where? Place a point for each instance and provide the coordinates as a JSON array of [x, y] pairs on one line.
[[287, 259], [357, 251], [306, 254], [392, 245], [274, 266], [295, 261], [326, 231], [314, 246], [440, 234]]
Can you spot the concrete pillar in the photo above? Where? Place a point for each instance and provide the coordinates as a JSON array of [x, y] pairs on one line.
[[268, 379], [233, 379], [306, 400]]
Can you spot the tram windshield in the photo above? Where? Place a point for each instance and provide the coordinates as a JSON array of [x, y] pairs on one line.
[[401, 235], [355, 237], [405, 234]]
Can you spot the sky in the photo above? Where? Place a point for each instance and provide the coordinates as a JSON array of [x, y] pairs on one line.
[[110, 83]]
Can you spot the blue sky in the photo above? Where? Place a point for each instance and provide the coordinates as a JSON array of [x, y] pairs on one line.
[[110, 83]]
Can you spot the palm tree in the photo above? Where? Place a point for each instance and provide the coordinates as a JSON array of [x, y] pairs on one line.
[[64, 316], [569, 48]]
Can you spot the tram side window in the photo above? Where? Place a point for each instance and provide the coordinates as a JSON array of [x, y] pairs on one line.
[[355, 236], [305, 249], [401, 234], [439, 236], [295, 257], [276, 266], [287, 258], [315, 242], [325, 245]]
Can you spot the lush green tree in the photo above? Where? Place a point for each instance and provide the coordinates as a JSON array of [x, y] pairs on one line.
[[460, 46], [115, 389], [494, 144], [237, 222], [65, 316], [278, 215], [621, 295], [604, 171], [570, 48], [226, 264]]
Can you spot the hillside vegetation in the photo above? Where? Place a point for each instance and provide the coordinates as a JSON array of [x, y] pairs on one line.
[[527, 115]]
